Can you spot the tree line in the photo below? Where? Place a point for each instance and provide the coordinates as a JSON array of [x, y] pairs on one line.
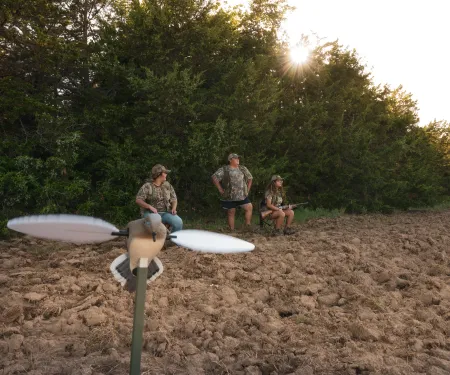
[[93, 93]]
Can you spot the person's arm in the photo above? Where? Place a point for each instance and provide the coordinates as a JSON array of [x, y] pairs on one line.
[[142, 196], [146, 206], [174, 207], [216, 178], [218, 185], [173, 201], [249, 185], [270, 206], [249, 178]]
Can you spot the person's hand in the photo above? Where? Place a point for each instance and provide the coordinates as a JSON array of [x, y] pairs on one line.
[[221, 191], [174, 212], [153, 209], [290, 207]]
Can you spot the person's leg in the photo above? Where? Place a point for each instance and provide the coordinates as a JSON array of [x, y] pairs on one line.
[[289, 214], [289, 217], [278, 216], [230, 215], [248, 208], [173, 220]]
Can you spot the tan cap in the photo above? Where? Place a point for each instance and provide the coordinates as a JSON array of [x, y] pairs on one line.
[[158, 169], [233, 156], [276, 177]]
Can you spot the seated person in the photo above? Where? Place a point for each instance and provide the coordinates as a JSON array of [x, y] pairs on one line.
[[270, 207], [158, 196]]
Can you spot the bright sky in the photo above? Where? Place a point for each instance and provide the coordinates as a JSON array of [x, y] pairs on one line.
[[401, 41]]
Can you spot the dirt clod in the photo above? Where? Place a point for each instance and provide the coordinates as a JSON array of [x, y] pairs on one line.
[[350, 295]]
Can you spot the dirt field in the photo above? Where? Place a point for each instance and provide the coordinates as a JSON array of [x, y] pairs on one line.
[[352, 295]]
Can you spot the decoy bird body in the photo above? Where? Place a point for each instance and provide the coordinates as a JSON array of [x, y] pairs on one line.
[[146, 238]]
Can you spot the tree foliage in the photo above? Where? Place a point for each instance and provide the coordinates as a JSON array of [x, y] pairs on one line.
[[93, 93]]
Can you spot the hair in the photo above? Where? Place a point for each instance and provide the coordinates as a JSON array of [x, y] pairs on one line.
[[156, 175], [273, 189]]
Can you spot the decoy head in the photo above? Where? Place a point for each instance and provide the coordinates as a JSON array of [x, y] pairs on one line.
[[152, 223]]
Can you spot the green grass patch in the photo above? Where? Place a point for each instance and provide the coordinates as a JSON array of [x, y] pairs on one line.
[[216, 222], [219, 222], [442, 206]]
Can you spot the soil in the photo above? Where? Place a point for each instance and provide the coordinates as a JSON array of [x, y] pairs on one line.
[[352, 295]]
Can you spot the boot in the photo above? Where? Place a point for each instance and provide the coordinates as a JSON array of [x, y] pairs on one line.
[[277, 232], [289, 230]]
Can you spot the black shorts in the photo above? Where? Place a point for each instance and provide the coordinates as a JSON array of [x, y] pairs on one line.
[[227, 205]]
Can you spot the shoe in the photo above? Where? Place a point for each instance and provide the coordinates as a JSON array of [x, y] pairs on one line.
[[289, 231], [277, 232]]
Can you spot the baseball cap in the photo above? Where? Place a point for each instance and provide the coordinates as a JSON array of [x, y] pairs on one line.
[[276, 177], [158, 169], [233, 156]]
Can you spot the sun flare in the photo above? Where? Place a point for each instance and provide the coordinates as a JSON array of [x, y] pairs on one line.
[[299, 54]]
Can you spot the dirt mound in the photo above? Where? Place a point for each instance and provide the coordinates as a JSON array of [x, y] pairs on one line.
[[352, 295]]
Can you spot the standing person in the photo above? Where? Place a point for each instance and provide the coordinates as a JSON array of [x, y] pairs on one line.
[[234, 182], [273, 199], [158, 196]]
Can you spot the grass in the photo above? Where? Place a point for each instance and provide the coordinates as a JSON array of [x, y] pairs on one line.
[[219, 222], [445, 205]]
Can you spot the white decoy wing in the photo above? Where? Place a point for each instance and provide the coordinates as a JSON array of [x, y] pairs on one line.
[[69, 228], [210, 242]]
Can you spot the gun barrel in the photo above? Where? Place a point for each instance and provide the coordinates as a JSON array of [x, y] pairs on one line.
[[284, 207]]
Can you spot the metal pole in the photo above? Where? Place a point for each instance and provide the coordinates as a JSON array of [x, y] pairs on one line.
[[138, 321]]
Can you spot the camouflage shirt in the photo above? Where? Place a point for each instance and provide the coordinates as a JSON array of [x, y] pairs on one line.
[[159, 197], [276, 199], [233, 181]]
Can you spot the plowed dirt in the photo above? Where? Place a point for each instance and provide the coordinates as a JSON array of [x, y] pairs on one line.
[[352, 295]]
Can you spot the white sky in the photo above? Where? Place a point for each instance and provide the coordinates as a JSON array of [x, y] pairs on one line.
[[401, 42]]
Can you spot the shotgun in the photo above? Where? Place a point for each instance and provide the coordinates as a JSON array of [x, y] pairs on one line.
[[293, 206]]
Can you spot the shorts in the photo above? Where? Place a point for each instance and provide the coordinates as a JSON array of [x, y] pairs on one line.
[[227, 205]]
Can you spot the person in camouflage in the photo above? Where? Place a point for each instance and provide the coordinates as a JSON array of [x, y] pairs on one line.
[[234, 182], [158, 196], [270, 207]]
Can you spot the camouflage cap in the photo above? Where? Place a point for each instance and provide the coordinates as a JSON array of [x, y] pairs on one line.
[[233, 156], [276, 177], [158, 169]]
